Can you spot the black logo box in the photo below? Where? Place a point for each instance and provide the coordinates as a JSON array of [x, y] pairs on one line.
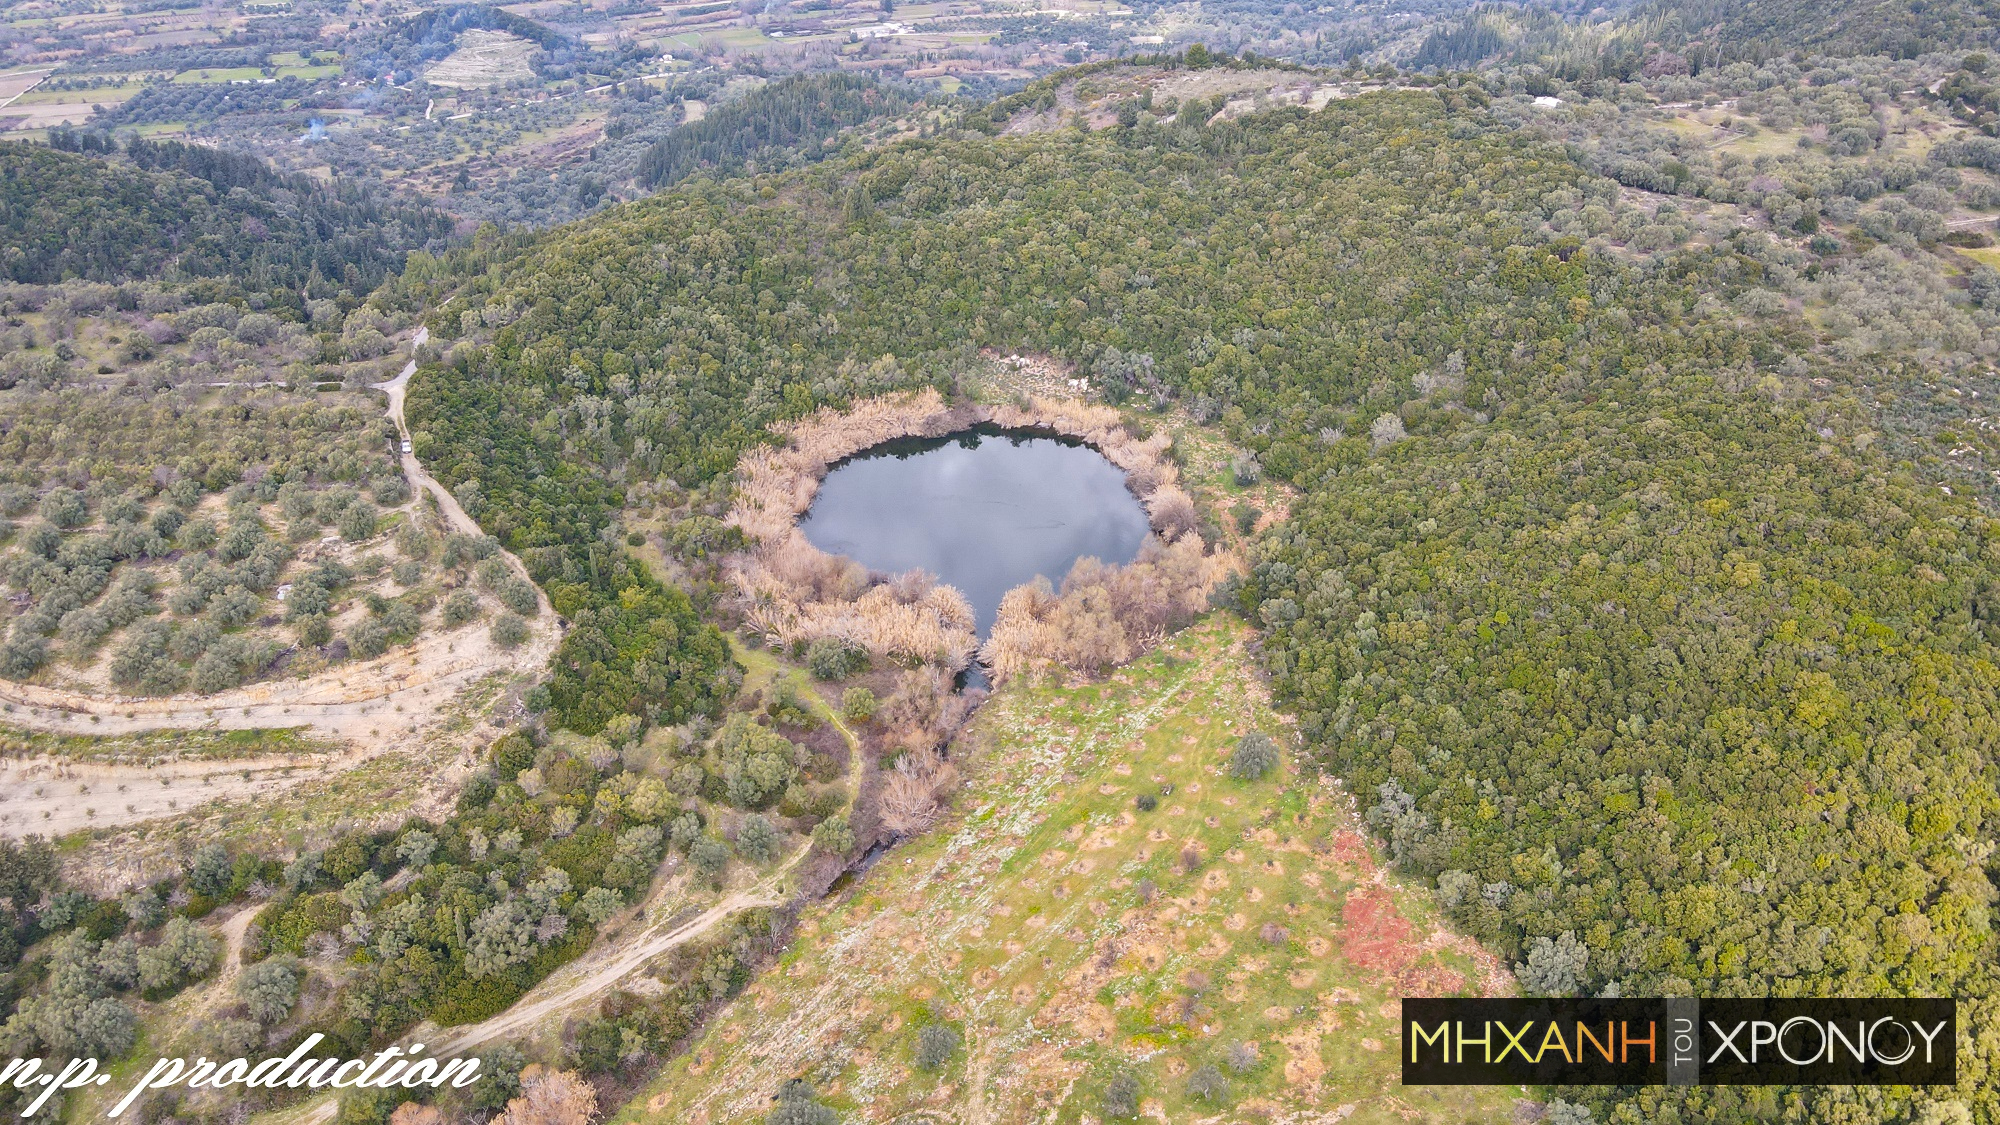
[[1680, 1041]]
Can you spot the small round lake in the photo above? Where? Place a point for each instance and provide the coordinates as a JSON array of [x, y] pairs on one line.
[[985, 511]]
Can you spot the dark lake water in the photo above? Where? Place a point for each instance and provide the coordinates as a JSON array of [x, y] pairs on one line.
[[984, 510]]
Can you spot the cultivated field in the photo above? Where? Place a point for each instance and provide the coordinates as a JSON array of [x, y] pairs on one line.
[[483, 58]]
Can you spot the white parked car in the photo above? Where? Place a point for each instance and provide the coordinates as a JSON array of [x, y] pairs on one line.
[[406, 445]]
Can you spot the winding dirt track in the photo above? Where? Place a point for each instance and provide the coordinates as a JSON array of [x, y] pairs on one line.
[[372, 706], [613, 964], [605, 965], [608, 964]]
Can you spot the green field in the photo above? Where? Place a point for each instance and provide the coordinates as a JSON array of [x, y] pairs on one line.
[[96, 95], [739, 37], [226, 74], [1984, 255]]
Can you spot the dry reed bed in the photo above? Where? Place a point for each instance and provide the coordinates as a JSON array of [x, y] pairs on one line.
[[793, 592]]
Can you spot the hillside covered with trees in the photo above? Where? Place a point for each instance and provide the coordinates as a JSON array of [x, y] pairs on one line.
[[1623, 535], [178, 321], [1689, 36], [788, 121], [1635, 639], [1762, 29], [188, 211]]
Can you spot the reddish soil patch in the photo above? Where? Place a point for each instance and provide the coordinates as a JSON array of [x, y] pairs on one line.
[[1351, 848], [1375, 937]]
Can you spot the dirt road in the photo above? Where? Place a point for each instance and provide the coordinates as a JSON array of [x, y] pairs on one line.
[[606, 965], [398, 389], [616, 959], [600, 970]]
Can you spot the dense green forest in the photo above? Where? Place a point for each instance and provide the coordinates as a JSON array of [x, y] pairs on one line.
[[184, 211], [785, 122], [1664, 37], [1760, 29], [636, 647], [1630, 634]]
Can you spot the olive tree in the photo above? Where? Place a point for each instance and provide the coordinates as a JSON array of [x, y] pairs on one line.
[[270, 989], [1255, 755]]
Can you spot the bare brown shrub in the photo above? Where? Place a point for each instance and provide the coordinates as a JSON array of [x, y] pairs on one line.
[[1174, 515], [812, 574], [924, 712], [776, 483], [1143, 479], [934, 628], [416, 1113], [912, 586], [551, 1097], [920, 720], [915, 792], [1105, 615]]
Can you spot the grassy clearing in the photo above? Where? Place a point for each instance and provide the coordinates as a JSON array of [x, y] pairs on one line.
[[740, 37], [1984, 255], [1067, 935], [223, 74], [1774, 142], [95, 95], [162, 745], [292, 59]]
